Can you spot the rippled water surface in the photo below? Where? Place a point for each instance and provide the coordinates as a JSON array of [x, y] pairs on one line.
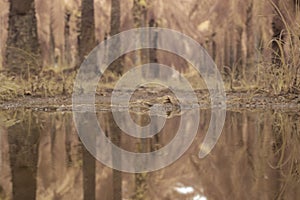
[[256, 157]]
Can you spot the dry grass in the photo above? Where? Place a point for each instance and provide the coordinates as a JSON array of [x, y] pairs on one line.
[[283, 79], [50, 82], [47, 83]]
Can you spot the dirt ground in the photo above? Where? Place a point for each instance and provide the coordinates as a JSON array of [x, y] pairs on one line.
[[145, 98]]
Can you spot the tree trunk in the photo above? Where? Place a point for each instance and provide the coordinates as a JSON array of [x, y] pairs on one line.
[[139, 13], [250, 37], [115, 14], [239, 54], [57, 25], [115, 17], [226, 50], [68, 54], [87, 39], [231, 49], [23, 51], [86, 43], [278, 37], [153, 52]]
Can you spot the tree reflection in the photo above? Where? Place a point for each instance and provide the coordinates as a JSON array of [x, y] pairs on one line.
[[23, 141]]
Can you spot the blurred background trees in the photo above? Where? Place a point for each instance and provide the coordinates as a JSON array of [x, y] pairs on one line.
[[238, 35]]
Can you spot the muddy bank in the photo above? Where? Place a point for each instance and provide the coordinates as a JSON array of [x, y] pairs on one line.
[[145, 98]]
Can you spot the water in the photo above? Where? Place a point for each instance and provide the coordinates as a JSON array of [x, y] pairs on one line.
[[256, 157]]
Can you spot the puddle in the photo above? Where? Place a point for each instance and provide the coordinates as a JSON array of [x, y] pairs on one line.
[[256, 157]]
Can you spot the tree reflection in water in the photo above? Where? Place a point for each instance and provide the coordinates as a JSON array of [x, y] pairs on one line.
[[256, 157]]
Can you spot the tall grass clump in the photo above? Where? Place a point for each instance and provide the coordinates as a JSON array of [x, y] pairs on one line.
[[282, 75]]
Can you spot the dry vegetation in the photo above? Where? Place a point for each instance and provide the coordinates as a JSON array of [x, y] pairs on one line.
[[245, 67]]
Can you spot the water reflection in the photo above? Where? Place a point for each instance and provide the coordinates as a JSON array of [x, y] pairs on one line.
[[256, 157]]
